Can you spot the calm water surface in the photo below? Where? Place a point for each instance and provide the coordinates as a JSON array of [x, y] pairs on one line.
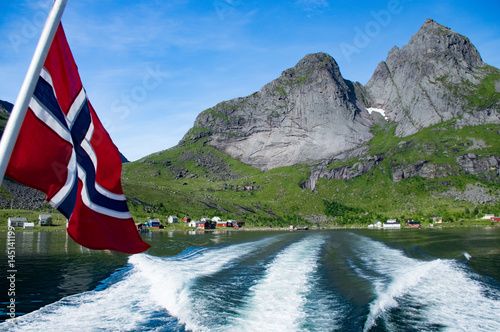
[[339, 280]]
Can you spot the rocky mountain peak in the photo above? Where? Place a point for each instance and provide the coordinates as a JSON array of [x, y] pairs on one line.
[[425, 81], [436, 41], [311, 64], [309, 113]]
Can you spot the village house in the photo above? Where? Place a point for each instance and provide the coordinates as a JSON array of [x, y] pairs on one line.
[[437, 220], [142, 228], [16, 221], [186, 219], [172, 220], [44, 220], [154, 223], [413, 224], [29, 225], [391, 224], [223, 224], [212, 223], [206, 224]]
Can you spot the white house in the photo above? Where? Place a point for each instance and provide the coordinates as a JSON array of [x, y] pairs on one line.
[[16, 221], [216, 219], [29, 225], [193, 223], [391, 224], [173, 219], [44, 220]]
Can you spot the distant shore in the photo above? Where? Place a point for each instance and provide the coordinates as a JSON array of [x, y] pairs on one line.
[[60, 228]]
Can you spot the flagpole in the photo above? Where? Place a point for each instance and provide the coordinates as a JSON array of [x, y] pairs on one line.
[[20, 108]]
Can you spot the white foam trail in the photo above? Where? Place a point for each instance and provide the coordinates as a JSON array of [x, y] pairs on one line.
[[170, 280], [276, 302], [394, 275], [122, 307], [435, 293], [403, 282], [456, 300], [153, 284]]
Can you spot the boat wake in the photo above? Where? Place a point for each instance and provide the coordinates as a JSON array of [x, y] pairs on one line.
[[180, 293], [425, 295], [139, 296], [280, 300], [279, 283]]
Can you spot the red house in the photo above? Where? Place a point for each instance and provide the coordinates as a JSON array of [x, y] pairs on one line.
[[206, 225], [186, 219], [414, 224], [497, 219]]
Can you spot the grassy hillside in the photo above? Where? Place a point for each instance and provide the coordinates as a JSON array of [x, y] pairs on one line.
[[416, 197], [197, 180]]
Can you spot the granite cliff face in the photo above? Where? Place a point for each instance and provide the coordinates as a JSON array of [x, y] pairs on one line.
[[309, 113], [436, 77]]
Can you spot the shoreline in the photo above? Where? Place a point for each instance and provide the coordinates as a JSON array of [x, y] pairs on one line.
[[246, 229]]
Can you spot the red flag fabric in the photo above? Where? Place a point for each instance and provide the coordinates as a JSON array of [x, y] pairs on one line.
[[64, 151]]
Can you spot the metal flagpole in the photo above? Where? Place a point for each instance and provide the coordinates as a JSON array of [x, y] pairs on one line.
[[20, 108]]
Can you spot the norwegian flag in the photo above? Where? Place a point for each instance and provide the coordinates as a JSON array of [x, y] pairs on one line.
[[64, 151]]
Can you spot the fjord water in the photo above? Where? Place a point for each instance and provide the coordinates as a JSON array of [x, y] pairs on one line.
[[339, 280]]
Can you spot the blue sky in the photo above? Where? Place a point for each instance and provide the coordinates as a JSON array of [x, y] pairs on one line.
[[150, 67]]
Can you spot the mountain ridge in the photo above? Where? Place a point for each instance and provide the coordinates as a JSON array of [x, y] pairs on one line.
[[284, 122], [449, 164], [312, 114], [428, 80], [253, 158]]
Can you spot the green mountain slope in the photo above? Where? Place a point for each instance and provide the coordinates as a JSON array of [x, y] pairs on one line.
[[196, 180]]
